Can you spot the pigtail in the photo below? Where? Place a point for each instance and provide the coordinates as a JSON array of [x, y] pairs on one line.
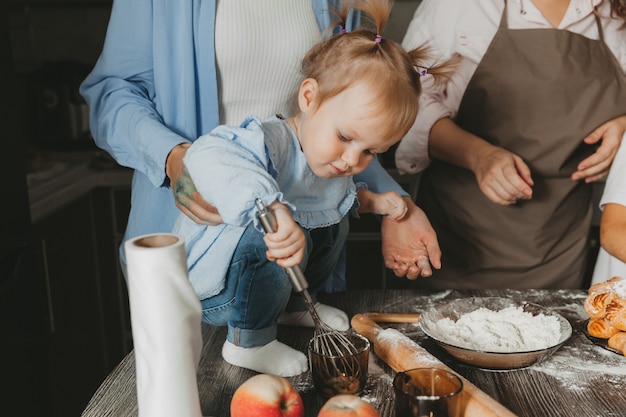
[[341, 18], [424, 65], [376, 11]]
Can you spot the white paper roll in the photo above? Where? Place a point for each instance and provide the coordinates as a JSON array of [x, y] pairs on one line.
[[165, 317]]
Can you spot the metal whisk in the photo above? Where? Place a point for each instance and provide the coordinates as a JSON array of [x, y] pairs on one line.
[[326, 341]]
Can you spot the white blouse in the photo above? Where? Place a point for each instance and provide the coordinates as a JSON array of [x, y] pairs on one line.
[[466, 28]]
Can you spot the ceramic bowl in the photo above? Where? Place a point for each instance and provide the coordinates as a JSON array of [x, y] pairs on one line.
[[454, 309]]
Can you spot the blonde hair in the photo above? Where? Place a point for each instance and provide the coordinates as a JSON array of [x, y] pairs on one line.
[[362, 55]]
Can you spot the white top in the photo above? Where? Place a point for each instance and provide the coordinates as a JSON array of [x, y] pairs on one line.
[[267, 43], [466, 27], [608, 266]]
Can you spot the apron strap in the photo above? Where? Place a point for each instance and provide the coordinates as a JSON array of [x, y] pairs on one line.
[[598, 24], [504, 22]]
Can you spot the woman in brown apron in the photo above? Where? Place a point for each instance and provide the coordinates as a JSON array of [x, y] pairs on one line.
[[535, 94]]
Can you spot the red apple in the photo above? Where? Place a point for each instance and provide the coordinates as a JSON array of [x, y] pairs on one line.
[[266, 395], [347, 406]]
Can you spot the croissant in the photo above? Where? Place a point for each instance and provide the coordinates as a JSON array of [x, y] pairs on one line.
[[606, 286], [618, 342], [596, 303], [600, 328], [616, 313]]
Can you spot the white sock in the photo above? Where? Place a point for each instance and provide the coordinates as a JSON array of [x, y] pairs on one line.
[[332, 316], [274, 358]]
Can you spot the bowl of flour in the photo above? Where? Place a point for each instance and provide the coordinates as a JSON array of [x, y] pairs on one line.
[[494, 332]]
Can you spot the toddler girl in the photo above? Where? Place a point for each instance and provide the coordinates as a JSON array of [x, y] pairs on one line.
[[358, 98]]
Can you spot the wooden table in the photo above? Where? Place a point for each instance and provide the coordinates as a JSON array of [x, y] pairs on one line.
[[580, 379]]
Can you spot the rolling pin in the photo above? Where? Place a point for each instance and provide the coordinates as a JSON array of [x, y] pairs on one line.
[[401, 353], [393, 317]]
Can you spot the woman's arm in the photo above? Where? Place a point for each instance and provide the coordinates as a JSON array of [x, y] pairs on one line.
[[613, 230], [501, 175], [120, 92]]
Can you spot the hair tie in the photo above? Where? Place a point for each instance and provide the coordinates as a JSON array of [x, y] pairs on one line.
[[422, 72], [342, 29], [378, 38]]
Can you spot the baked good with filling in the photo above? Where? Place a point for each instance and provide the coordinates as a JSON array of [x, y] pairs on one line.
[[618, 342], [600, 328], [606, 306]]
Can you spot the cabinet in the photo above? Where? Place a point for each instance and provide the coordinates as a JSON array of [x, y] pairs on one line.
[[21, 348], [82, 302], [112, 205]]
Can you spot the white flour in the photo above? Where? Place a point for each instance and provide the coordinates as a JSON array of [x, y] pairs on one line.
[[619, 288], [508, 330], [580, 365]]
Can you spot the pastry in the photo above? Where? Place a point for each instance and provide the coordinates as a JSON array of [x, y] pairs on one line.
[[618, 342], [596, 303], [606, 306], [616, 313], [600, 328], [606, 286]]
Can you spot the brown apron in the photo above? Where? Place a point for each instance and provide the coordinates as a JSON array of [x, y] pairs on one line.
[[537, 93]]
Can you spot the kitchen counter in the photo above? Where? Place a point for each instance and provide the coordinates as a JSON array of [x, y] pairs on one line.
[[67, 177], [580, 379]]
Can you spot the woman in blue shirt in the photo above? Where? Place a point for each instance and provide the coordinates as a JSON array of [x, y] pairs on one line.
[[160, 83]]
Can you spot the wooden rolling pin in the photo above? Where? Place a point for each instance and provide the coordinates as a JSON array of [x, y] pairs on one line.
[[401, 353], [393, 317]]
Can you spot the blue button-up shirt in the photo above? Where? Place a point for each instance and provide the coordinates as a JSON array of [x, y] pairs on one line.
[[154, 86]]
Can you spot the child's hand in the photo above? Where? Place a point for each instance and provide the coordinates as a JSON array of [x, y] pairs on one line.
[[389, 204], [286, 245]]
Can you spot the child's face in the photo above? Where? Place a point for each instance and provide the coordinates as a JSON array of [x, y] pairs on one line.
[[342, 135]]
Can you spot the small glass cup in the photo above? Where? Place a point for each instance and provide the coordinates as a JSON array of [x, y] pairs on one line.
[[427, 392], [341, 374]]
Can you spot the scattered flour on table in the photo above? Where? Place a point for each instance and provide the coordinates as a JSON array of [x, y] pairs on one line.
[[508, 330], [598, 366]]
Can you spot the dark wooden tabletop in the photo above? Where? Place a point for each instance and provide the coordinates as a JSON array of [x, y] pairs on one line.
[[580, 379]]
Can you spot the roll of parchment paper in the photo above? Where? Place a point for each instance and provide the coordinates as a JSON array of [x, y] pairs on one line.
[[165, 317]]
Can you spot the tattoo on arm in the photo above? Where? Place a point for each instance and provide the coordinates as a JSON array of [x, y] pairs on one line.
[[184, 189]]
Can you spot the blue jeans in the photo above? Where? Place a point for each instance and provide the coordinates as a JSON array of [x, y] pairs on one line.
[[257, 290]]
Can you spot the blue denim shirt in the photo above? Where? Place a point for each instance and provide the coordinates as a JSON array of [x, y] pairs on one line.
[[231, 168], [153, 87]]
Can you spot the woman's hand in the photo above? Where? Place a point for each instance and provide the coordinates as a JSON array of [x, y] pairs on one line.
[[501, 175], [287, 244], [410, 247], [597, 165], [187, 198]]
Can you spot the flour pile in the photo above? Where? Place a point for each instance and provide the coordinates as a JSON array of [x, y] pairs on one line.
[[508, 330]]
